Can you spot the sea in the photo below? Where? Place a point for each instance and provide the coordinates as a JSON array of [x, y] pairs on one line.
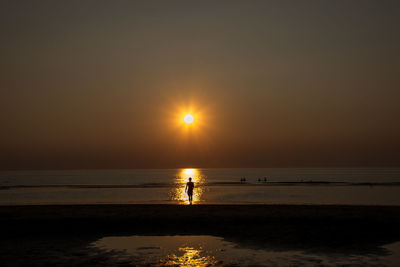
[[348, 186]]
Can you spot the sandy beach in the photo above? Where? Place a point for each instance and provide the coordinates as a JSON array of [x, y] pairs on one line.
[[60, 234]]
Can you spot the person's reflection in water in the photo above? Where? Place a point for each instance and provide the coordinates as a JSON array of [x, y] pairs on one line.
[[189, 190]]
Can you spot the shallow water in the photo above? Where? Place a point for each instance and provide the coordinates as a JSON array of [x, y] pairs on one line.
[[365, 195], [283, 186], [209, 250]]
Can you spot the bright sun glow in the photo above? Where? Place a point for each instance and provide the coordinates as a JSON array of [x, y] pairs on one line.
[[189, 122], [188, 118]]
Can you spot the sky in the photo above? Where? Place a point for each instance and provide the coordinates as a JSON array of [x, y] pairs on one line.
[[105, 84]]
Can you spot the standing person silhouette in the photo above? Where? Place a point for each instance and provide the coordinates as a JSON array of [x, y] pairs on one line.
[[189, 189]]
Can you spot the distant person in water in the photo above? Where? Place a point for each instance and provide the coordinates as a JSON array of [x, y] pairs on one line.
[[189, 189]]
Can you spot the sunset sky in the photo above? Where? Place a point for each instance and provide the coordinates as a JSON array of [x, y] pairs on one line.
[[105, 84]]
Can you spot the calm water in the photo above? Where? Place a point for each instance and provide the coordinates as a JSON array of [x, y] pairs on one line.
[[282, 186], [215, 251]]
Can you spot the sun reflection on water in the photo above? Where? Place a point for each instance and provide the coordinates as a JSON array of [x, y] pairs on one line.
[[178, 192], [190, 257]]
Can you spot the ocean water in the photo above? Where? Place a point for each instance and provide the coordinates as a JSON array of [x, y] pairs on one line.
[[360, 186]]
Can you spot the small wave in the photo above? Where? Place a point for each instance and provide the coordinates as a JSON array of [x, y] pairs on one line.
[[170, 185]]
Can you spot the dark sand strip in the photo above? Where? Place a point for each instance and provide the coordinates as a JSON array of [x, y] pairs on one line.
[[283, 225], [196, 212]]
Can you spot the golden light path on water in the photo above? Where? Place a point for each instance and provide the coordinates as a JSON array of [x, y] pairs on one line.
[[178, 193], [165, 250], [191, 257]]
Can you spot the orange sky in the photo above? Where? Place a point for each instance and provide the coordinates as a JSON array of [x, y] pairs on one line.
[[100, 84]]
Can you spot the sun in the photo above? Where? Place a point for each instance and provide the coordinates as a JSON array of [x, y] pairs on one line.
[[188, 119]]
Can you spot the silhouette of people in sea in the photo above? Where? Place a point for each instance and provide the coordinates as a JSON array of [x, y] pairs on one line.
[[265, 179], [189, 189], [243, 180]]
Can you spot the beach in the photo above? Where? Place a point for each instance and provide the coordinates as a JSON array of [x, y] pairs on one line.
[[61, 234], [297, 217]]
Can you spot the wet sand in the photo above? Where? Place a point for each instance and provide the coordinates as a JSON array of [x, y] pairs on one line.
[[60, 234]]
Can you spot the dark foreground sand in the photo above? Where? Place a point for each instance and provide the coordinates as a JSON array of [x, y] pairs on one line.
[[60, 234]]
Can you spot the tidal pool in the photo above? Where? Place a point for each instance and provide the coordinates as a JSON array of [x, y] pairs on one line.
[[205, 250]]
